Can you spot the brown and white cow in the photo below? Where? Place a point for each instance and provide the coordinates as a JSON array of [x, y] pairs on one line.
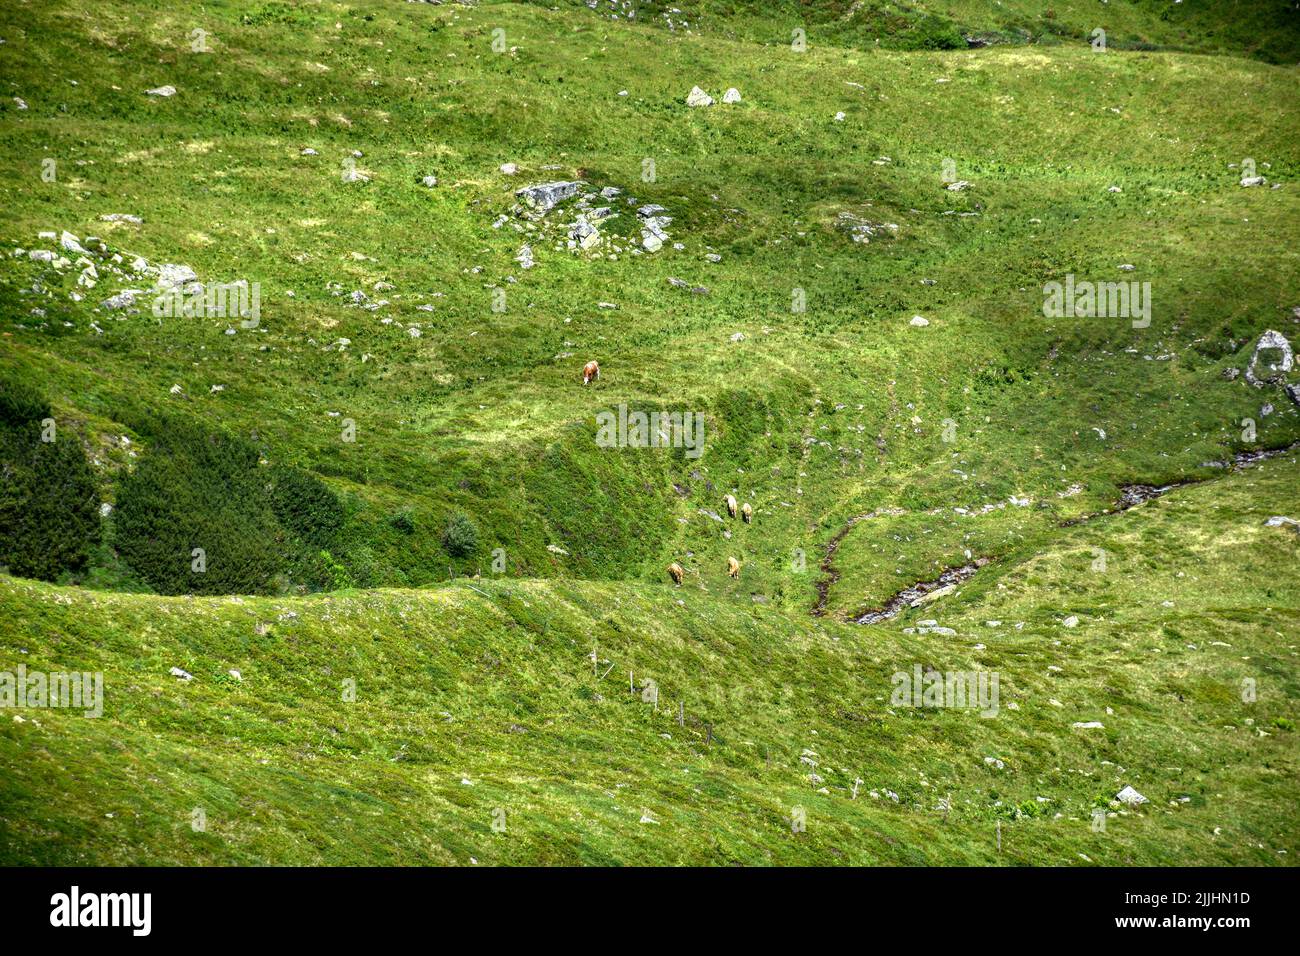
[[733, 567], [731, 505], [590, 371], [676, 572], [747, 512]]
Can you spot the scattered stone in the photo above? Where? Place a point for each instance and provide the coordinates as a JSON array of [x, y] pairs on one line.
[[429, 181], [697, 97], [509, 168], [1131, 797], [121, 217], [934, 595], [731, 96], [122, 300], [174, 276], [525, 256], [546, 196], [235, 674], [957, 186], [161, 91], [1253, 180], [864, 230], [584, 234], [919, 321], [183, 675], [839, 117], [1088, 725]]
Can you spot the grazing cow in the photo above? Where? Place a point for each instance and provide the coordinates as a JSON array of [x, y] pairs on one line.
[[733, 567], [590, 371], [747, 512], [731, 505], [676, 573]]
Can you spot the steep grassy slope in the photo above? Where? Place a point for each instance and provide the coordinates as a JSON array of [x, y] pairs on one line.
[[469, 701], [1268, 29], [408, 368], [481, 413]]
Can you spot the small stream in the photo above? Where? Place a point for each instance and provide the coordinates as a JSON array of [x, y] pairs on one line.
[[904, 598], [1130, 497]]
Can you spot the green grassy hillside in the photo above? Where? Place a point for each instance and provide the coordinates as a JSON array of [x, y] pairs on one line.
[[276, 496], [471, 700], [1267, 29]]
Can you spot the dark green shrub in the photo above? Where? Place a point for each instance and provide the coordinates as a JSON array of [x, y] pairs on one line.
[[403, 521], [196, 489], [305, 506], [49, 518], [460, 538], [21, 404], [933, 33]]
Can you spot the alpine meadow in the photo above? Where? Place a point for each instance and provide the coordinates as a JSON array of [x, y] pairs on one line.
[[624, 433]]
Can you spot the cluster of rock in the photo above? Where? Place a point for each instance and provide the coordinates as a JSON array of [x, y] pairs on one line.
[[697, 97], [1273, 343], [627, 10], [96, 263], [864, 230], [1250, 178], [591, 210], [125, 283]]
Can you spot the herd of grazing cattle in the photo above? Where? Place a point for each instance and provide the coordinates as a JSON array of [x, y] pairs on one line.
[[591, 372], [677, 572]]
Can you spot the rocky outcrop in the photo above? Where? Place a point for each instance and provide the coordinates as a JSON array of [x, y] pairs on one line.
[[1275, 369], [546, 196]]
